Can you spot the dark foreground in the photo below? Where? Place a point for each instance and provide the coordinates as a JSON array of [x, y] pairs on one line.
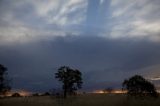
[[81, 100]]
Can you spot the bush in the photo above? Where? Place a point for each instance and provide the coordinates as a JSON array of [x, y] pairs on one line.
[[46, 94], [35, 94], [16, 95]]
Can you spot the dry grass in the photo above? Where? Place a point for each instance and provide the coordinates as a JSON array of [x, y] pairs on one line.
[[81, 100]]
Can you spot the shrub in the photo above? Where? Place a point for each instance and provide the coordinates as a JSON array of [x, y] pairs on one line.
[[16, 95]]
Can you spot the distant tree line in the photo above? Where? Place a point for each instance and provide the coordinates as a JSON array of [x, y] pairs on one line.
[[71, 80]]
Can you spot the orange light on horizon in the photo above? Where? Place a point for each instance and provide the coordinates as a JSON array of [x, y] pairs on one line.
[[119, 91], [114, 91], [98, 91], [21, 92], [24, 93]]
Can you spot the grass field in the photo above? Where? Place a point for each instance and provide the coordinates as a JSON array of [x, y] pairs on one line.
[[81, 100]]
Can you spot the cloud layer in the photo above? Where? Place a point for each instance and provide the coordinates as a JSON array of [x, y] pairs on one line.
[[103, 62], [108, 40], [27, 20], [136, 18]]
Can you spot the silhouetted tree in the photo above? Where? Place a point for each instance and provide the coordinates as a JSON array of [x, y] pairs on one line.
[[16, 95], [46, 94], [4, 83], [138, 86], [35, 94], [108, 90], [71, 79]]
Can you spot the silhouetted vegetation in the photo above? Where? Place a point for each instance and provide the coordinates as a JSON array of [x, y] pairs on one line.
[[35, 94], [16, 95], [71, 79], [108, 90], [55, 92], [138, 86], [4, 82], [46, 94]]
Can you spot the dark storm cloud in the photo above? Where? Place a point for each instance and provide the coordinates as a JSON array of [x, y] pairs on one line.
[[125, 42], [104, 62]]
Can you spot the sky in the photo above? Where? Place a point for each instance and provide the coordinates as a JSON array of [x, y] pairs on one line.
[[107, 40]]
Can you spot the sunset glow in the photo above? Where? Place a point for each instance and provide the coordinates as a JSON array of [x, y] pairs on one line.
[[114, 91], [21, 92]]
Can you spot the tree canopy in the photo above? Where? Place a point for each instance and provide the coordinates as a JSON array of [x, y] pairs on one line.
[[138, 86], [70, 78], [4, 86]]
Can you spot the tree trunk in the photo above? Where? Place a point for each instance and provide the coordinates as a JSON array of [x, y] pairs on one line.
[[65, 93], [65, 90]]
